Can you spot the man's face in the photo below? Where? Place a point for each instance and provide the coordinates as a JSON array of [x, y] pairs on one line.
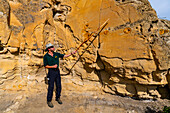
[[51, 49]]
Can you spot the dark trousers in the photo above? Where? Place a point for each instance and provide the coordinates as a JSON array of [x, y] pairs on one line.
[[54, 77]]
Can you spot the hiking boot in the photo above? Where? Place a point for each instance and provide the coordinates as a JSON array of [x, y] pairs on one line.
[[59, 101], [50, 104]]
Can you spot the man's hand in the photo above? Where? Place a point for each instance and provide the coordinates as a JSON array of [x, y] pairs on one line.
[[65, 56], [55, 66], [74, 52]]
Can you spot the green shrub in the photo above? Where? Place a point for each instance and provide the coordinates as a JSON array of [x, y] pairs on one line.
[[166, 109]]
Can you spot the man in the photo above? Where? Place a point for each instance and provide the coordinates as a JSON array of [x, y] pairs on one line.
[[51, 61]]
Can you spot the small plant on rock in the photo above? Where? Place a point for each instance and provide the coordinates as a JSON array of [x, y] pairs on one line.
[[166, 109]]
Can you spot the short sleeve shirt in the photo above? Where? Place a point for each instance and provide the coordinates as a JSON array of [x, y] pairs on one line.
[[49, 60]]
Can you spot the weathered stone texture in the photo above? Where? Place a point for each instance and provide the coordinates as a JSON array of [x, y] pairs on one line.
[[129, 58]]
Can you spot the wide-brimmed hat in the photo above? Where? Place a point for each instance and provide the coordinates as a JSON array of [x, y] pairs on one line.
[[48, 46]]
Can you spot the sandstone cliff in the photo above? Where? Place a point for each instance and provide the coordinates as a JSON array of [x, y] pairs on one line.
[[130, 57]]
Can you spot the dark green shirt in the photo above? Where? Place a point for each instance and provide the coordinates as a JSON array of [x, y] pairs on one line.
[[49, 60]]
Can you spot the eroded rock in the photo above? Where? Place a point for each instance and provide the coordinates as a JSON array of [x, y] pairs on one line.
[[129, 58]]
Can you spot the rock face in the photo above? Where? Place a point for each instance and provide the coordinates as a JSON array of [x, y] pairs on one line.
[[130, 57]]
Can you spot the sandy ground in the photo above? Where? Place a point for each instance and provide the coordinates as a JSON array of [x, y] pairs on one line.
[[74, 102]]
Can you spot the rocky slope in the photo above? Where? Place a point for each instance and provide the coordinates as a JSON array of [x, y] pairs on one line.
[[130, 57]]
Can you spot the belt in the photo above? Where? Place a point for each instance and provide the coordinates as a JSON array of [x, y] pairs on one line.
[[54, 69]]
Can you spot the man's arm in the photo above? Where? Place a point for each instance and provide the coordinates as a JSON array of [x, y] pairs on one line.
[[65, 56], [54, 66]]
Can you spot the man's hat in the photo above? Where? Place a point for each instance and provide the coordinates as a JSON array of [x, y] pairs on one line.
[[48, 46]]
